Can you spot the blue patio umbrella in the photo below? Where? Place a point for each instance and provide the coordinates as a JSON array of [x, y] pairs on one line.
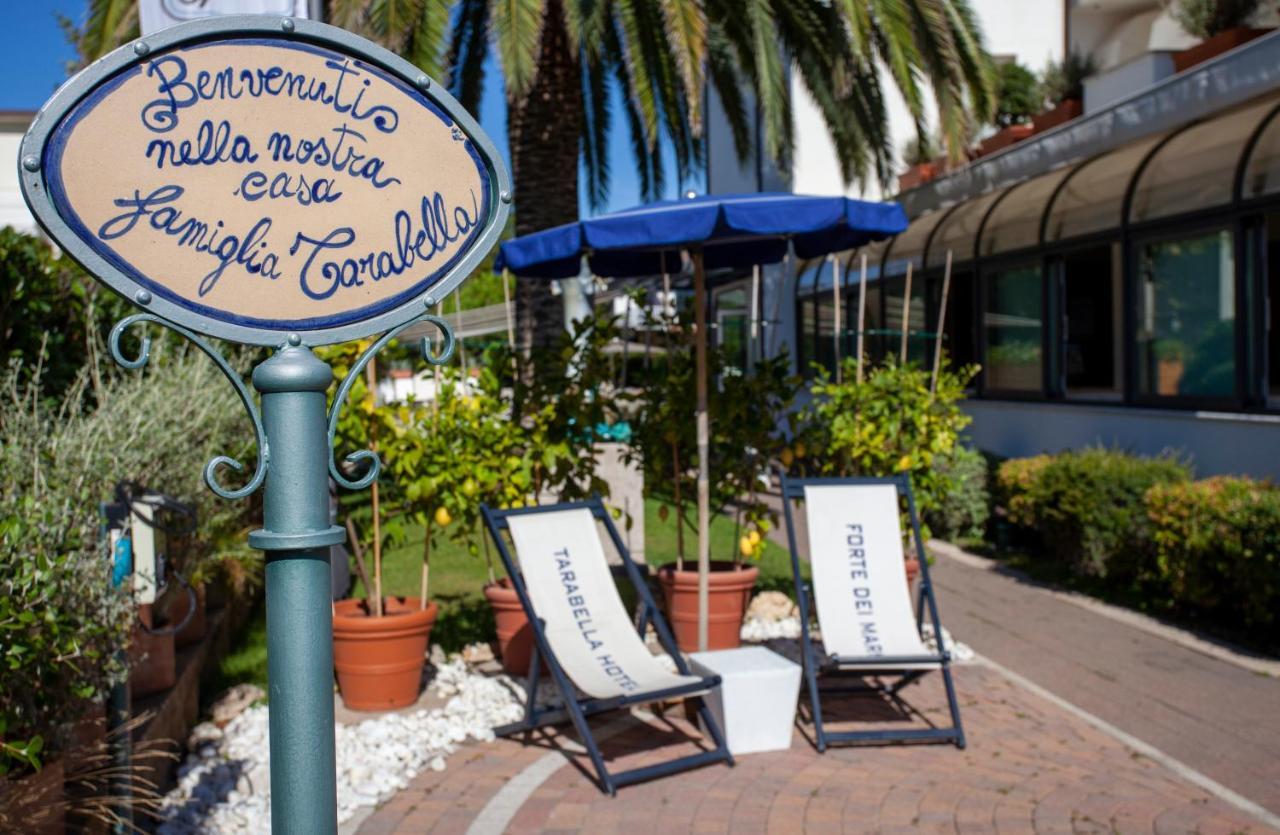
[[714, 231]]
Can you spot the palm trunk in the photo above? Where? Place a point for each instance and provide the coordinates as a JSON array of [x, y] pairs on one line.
[[544, 129]]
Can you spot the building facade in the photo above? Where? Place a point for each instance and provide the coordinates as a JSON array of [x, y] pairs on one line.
[[1113, 276]]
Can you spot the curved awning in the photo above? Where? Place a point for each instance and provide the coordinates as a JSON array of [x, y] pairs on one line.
[[730, 230]]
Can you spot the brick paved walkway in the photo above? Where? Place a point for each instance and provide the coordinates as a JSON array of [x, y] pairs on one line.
[[1030, 767], [1219, 718]]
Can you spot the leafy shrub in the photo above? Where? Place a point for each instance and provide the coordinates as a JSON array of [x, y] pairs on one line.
[[478, 442], [60, 618], [964, 511], [748, 415], [1015, 479], [1064, 79], [889, 423], [1087, 505], [50, 310], [1217, 547], [1020, 96], [1206, 18]]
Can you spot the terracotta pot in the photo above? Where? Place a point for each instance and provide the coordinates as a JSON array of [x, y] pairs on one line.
[[1215, 46], [152, 663], [729, 594], [175, 611], [1003, 139], [515, 635], [35, 804], [918, 174], [379, 660], [1066, 110]]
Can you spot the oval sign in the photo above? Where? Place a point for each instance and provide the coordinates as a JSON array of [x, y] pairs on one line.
[[249, 177]]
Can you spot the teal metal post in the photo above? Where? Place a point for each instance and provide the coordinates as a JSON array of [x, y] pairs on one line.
[[296, 536]]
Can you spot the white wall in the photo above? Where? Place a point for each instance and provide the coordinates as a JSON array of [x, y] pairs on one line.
[[1217, 443], [13, 211], [1029, 30]]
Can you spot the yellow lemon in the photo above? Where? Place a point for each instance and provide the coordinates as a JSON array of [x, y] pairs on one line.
[[787, 457], [745, 547], [754, 536], [904, 463], [442, 516], [799, 449]]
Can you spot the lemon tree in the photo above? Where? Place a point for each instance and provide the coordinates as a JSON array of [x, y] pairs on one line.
[[887, 424]]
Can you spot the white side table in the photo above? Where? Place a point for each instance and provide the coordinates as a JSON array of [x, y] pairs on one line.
[[755, 703]]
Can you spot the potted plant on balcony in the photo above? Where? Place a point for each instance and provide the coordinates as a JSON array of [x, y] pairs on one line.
[[380, 641], [920, 154], [1063, 86], [1220, 25]]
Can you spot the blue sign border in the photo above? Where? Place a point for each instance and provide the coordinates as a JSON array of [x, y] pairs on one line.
[[39, 172]]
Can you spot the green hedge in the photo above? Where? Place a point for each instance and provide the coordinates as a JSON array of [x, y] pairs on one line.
[[1216, 547], [1208, 549], [967, 505], [1088, 505]]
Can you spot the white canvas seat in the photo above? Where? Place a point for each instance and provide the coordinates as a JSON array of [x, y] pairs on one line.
[[859, 583], [869, 627], [594, 651], [572, 591]]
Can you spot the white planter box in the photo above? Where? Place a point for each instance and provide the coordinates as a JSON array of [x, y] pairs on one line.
[[755, 703]]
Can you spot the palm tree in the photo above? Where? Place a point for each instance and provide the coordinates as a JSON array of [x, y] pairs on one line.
[[560, 58]]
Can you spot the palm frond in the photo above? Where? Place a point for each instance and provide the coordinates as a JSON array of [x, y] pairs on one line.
[[468, 47], [722, 69], [685, 23], [516, 29], [595, 136], [426, 46]]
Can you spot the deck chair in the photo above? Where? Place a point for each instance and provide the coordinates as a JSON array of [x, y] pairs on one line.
[[593, 648], [864, 603]]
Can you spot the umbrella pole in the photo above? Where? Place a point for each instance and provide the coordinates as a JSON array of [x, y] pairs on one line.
[[862, 309], [704, 479], [942, 321], [906, 317], [835, 300]]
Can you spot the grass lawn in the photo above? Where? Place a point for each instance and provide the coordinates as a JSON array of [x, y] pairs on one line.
[[457, 582]]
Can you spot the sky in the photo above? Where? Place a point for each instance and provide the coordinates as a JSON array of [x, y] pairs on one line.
[[34, 54]]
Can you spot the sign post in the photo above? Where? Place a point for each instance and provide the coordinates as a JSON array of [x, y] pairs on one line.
[[282, 183]]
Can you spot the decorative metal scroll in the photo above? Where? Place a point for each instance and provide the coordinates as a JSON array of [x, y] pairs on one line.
[[374, 465], [211, 468]]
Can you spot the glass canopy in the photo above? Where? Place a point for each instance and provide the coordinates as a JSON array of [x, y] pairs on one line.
[[1015, 221], [1262, 175], [1196, 169], [959, 231], [1092, 197], [908, 248]]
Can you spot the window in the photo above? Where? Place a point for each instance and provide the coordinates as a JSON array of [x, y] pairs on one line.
[[1271, 307], [1013, 329], [806, 315], [1186, 330], [958, 337], [918, 341], [1091, 326], [732, 328], [1195, 169]]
